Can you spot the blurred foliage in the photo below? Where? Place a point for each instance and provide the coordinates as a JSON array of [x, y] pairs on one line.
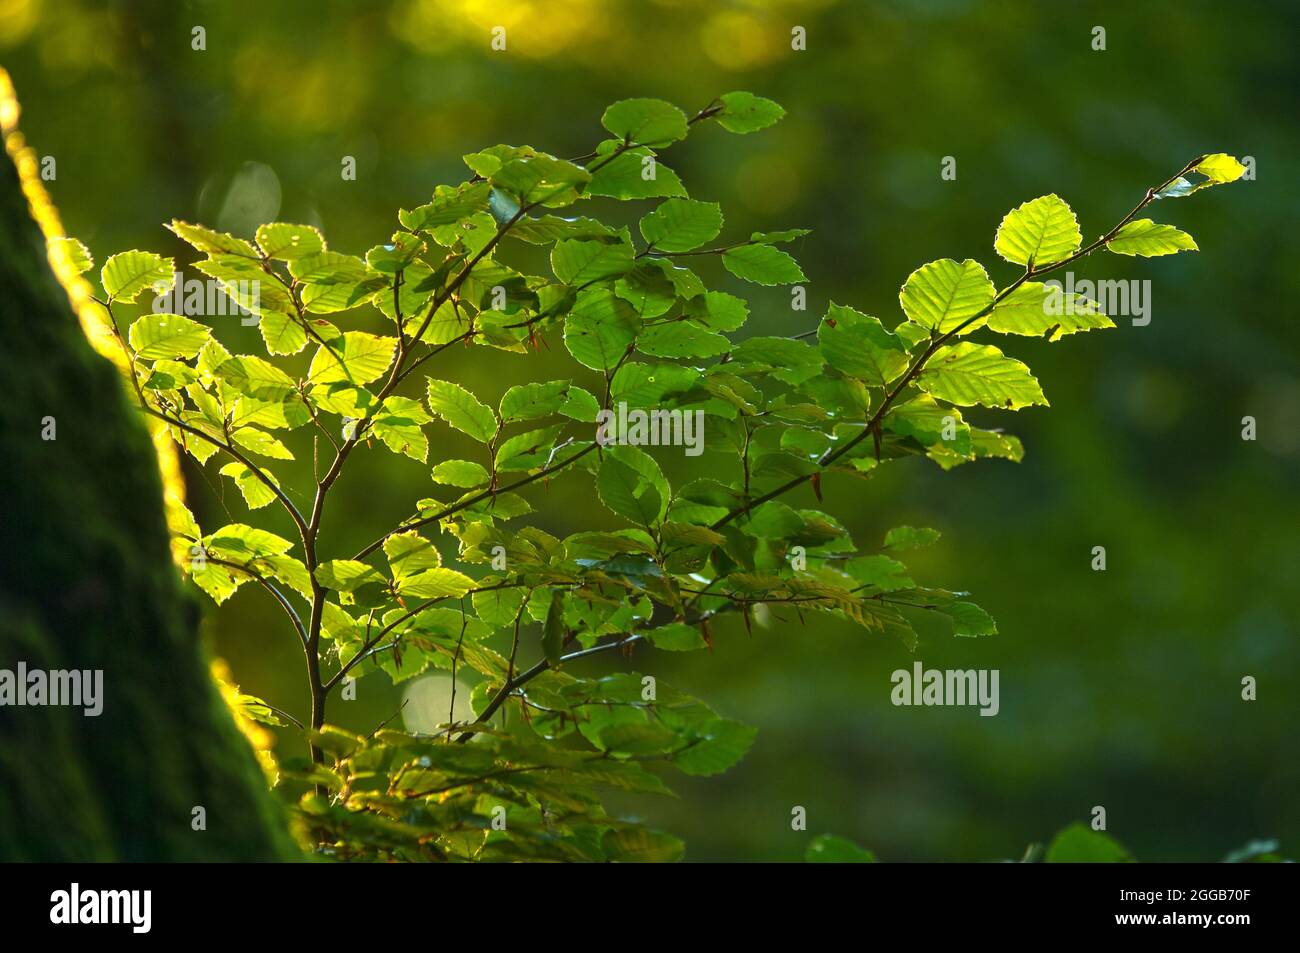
[[1120, 688]]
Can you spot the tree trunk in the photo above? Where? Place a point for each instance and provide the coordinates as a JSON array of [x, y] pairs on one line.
[[89, 584]]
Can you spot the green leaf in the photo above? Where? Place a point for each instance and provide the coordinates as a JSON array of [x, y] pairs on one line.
[[1039, 232], [773, 520], [968, 619], [645, 122], [401, 253], [166, 336], [881, 572], [686, 282], [125, 275], [288, 242], [681, 339], [355, 358], [968, 373], [340, 397], [449, 206], [539, 179], [599, 328], [762, 264], [777, 238], [462, 410], [76, 255], [398, 424], [527, 450], [580, 405], [261, 442], [1149, 239], [289, 571], [1078, 844], [942, 295], [640, 846], [256, 493], [744, 112], [1035, 309], [718, 745], [346, 575], [647, 289], [170, 375], [931, 423], [532, 401], [649, 385], [676, 637], [338, 625], [498, 607], [246, 284], [255, 377], [627, 492], [282, 333], [992, 443], [682, 225], [332, 282], [217, 581], [239, 540], [829, 849], [210, 242], [437, 583], [577, 262], [448, 323], [462, 473], [630, 736], [793, 361], [903, 538], [859, 345], [632, 174], [253, 708], [544, 229]]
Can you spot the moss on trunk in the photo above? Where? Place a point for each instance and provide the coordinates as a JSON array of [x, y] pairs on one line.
[[88, 583]]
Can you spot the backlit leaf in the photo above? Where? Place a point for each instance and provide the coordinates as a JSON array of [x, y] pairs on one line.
[[1149, 239], [1039, 232], [944, 294], [969, 373]]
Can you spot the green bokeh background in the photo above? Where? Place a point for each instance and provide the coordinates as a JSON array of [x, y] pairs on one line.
[[1118, 688]]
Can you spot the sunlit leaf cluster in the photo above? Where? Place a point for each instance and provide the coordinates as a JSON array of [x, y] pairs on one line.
[[350, 364]]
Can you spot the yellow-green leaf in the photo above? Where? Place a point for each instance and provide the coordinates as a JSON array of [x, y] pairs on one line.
[[1038, 232], [410, 553], [210, 242], [435, 584], [942, 295], [157, 336], [288, 242], [398, 424], [1037, 310], [127, 274], [1220, 167], [462, 410], [1149, 239], [256, 493], [355, 357], [968, 373]]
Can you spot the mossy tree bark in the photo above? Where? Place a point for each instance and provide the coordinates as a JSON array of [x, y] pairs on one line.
[[88, 584]]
